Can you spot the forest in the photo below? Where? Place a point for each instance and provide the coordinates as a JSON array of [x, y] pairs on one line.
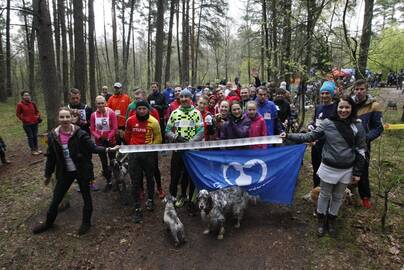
[[51, 46]]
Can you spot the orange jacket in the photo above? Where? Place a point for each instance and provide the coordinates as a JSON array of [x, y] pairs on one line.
[[119, 104]]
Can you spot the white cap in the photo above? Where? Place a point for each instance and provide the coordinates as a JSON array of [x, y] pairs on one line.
[[118, 85]]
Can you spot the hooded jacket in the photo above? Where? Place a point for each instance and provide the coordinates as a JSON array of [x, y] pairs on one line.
[[370, 112], [258, 128], [80, 148], [336, 151], [235, 128]]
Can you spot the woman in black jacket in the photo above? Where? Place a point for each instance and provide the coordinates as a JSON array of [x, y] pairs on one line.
[[69, 152]]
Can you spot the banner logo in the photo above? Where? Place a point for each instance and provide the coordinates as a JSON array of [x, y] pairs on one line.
[[245, 179]]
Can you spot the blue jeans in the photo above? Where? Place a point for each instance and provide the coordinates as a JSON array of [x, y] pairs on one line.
[[32, 134]]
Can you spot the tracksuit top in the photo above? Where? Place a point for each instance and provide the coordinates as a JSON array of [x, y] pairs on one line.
[[142, 132]]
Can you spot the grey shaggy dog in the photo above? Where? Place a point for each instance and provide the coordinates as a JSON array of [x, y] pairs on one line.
[[173, 223], [215, 205]]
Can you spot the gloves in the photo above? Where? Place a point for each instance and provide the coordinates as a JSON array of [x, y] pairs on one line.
[[180, 139]]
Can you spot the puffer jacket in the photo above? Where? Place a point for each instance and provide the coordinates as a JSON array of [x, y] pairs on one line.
[[235, 128], [370, 112], [336, 151], [80, 147]]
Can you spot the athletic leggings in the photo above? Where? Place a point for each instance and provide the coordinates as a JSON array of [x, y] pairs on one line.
[[331, 198]]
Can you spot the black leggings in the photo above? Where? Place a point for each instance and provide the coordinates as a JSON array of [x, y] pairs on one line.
[[106, 168], [61, 187], [140, 163], [316, 161], [177, 170], [157, 174], [363, 184]]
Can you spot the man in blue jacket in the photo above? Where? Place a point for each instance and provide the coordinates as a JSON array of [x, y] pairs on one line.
[[370, 112], [268, 110]]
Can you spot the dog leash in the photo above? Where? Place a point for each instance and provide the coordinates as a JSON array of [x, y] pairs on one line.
[[276, 139]]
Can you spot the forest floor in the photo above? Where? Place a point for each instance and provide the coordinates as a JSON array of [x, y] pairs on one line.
[[270, 237]]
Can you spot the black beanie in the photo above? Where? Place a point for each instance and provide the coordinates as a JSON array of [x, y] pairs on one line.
[[142, 103]]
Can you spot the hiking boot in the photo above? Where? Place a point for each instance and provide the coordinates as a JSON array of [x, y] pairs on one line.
[[138, 216], [180, 203], [84, 228], [332, 225], [150, 205], [322, 223], [161, 193], [366, 203], [107, 187], [40, 228], [93, 186]]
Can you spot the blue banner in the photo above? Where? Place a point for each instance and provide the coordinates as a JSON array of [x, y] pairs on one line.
[[269, 173]]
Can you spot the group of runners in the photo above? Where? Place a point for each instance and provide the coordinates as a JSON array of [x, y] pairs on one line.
[[184, 114]]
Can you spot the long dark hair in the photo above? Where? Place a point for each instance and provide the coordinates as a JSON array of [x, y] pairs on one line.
[[354, 111]]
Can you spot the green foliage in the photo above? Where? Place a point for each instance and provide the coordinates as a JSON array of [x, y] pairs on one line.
[[386, 51]]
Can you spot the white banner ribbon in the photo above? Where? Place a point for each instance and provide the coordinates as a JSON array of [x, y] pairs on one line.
[[276, 139]]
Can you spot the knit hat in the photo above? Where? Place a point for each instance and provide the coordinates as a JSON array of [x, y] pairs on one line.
[[186, 93], [328, 86], [142, 103]]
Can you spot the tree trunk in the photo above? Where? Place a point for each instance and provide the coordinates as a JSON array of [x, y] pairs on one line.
[[262, 52], [169, 41], [266, 36], [193, 73], [80, 55], [149, 49], [198, 42], [185, 42], [365, 38], [105, 40], [57, 38], [65, 61], [30, 39], [127, 47], [274, 66], [178, 42], [3, 91], [9, 89], [91, 52], [71, 43], [115, 40], [286, 40], [159, 41], [134, 60], [47, 61]]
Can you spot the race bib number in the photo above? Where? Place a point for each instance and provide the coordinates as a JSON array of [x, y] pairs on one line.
[[102, 124], [66, 153], [82, 114], [185, 124], [267, 116], [117, 112], [152, 102]]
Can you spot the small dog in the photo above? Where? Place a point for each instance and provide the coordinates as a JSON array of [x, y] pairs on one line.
[[391, 105], [215, 205], [173, 223]]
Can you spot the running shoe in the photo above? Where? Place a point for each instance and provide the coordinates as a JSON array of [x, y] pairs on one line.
[[138, 216], [150, 205]]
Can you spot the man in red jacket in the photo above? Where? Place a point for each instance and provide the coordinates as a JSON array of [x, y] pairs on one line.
[[29, 115]]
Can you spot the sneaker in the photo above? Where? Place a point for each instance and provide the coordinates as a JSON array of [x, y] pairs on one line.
[[78, 188], [107, 187], [180, 203], [138, 216], [93, 186], [40, 228], [366, 203], [161, 194], [39, 152], [34, 153], [84, 228], [150, 205]]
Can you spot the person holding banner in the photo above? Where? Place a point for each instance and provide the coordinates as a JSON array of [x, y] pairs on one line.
[[237, 126], [103, 127], [142, 128], [184, 125], [69, 153], [257, 127], [343, 159]]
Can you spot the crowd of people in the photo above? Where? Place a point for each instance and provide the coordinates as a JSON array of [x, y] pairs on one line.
[[340, 151]]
